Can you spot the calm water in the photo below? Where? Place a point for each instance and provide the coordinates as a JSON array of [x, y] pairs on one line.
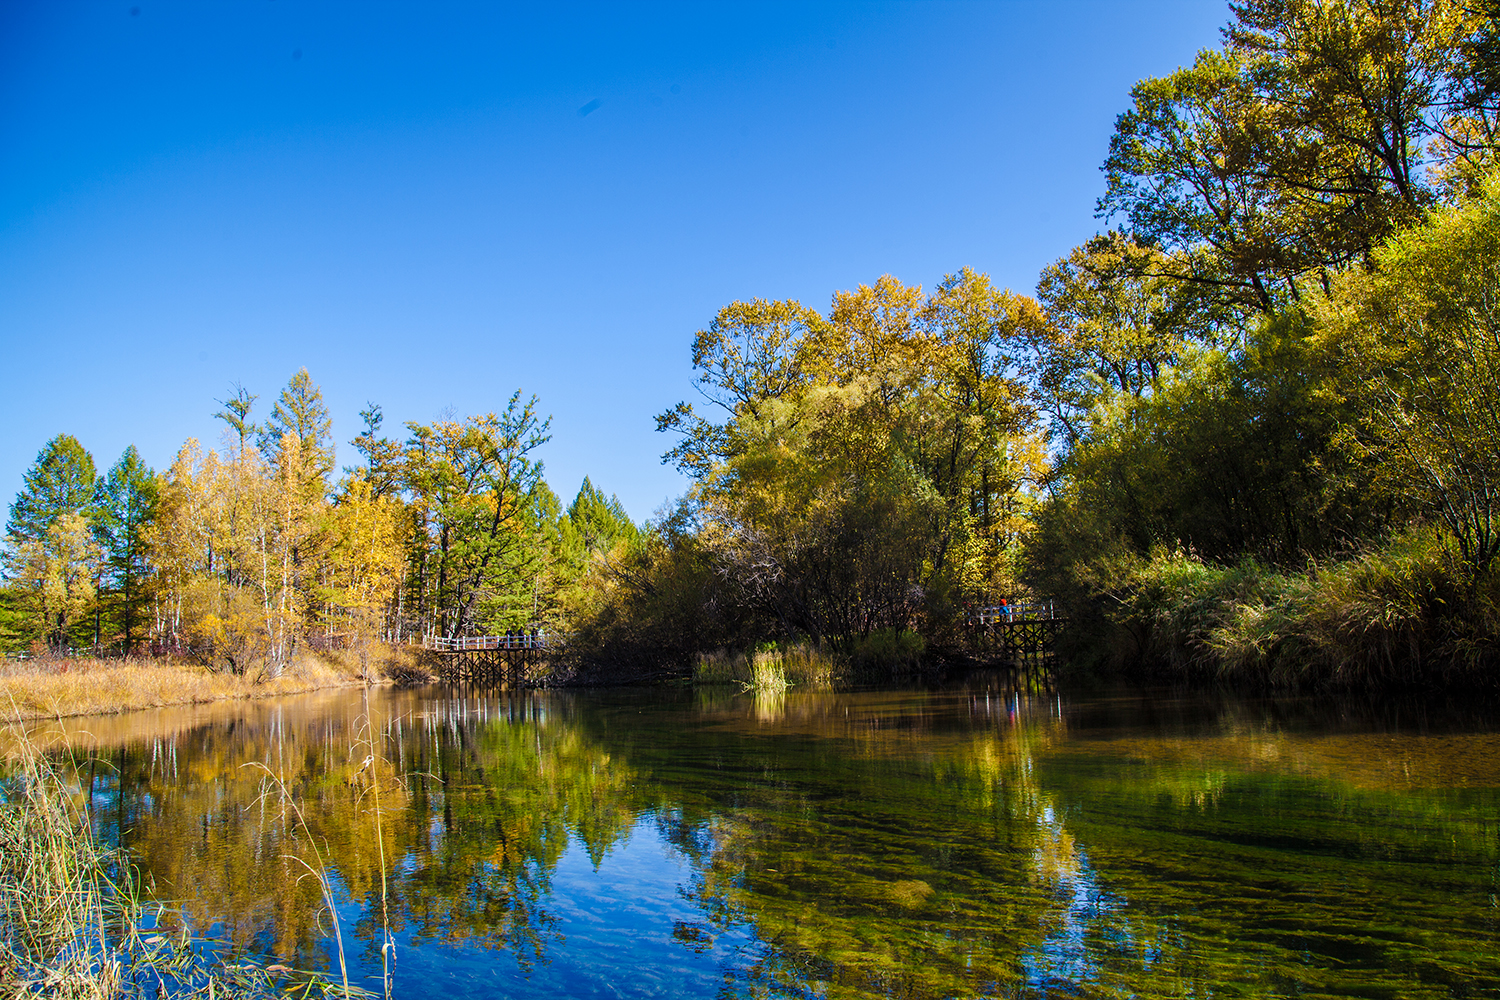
[[955, 843]]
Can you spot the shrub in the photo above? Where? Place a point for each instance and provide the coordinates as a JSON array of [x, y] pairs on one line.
[[888, 652]]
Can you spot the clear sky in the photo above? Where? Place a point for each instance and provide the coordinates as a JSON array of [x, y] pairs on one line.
[[433, 205]]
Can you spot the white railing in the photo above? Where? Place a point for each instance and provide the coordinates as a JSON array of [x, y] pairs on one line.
[[1007, 612], [516, 640]]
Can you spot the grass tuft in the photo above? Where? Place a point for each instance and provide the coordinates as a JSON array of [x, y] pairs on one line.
[[771, 667]]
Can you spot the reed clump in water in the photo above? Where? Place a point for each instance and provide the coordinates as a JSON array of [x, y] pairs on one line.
[[772, 667]]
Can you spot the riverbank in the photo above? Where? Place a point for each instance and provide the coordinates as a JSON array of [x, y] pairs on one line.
[[63, 687], [1409, 613]]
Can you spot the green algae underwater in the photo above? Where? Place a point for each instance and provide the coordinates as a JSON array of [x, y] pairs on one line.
[[966, 842]]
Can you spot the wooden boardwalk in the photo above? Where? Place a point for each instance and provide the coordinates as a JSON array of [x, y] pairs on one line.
[[1023, 633], [513, 660]]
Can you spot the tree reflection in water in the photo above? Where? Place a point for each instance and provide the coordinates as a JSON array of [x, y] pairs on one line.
[[903, 844]]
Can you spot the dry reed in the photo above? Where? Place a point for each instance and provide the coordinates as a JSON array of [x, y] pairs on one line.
[[38, 689], [71, 923]]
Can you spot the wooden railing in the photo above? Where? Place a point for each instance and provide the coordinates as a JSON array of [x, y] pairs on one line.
[[516, 640]]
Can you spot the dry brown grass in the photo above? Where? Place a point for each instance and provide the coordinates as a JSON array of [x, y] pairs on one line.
[[55, 688]]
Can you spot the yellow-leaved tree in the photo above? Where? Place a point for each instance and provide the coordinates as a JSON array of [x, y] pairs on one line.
[[56, 574]]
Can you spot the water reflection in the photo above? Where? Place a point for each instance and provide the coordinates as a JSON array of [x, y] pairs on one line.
[[973, 842]]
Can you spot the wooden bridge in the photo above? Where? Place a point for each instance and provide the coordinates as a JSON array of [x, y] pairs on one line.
[[1022, 632], [512, 659]]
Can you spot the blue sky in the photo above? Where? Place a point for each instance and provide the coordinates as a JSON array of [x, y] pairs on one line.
[[432, 205]]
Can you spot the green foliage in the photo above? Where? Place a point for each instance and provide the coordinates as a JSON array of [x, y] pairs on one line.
[[125, 505], [1403, 613], [1296, 148], [236, 414], [872, 465], [60, 482], [474, 487], [1329, 381], [648, 610], [300, 413], [1421, 337], [1233, 452], [598, 523]]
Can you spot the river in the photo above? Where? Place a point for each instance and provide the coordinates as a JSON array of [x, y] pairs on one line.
[[961, 842]]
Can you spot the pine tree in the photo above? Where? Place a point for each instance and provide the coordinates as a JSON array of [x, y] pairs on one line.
[[236, 414], [600, 521], [125, 505], [60, 482]]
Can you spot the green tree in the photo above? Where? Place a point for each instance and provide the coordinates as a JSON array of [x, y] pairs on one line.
[[381, 455], [1421, 336], [869, 465], [236, 414], [1293, 150], [474, 487], [1116, 320], [59, 482], [600, 521], [57, 574], [750, 353], [125, 505]]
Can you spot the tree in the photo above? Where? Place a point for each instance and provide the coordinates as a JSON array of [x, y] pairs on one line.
[[1115, 321], [747, 355], [56, 573], [125, 505], [236, 414], [868, 466], [599, 521], [474, 485], [1421, 336], [301, 412], [59, 482], [1469, 132], [1292, 151], [382, 455], [361, 565]]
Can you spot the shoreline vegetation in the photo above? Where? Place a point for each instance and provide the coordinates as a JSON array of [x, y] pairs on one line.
[[1247, 434], [53, 687], [1403, 614], [776, 666], [74, 918]]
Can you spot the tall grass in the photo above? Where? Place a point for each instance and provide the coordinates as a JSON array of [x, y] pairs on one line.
[[771, 667], [71, 921], [52, 688]]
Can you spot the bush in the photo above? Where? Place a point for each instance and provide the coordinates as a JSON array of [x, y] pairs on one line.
[[888, 653], [1404, 613]]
